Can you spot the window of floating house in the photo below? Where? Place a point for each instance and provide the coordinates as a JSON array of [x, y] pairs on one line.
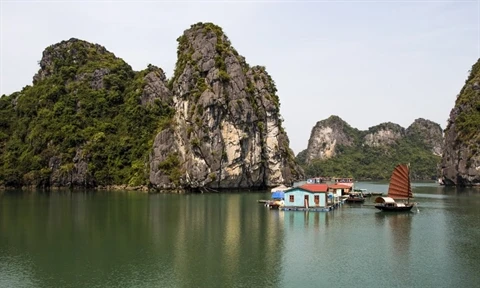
[[316, 199], [292, 198]]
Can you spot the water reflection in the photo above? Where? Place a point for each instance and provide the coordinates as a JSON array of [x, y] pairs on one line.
[[463, 227], [219, 238], [399, 226], [84, 239], [129, 239], [306, 219], [397, 238], [16, 271]]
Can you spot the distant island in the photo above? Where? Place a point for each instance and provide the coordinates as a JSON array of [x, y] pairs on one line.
[[337, 149]]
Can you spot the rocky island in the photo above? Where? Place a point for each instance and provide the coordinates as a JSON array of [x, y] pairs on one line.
[[89, 120], [336, 148], [461, 157]]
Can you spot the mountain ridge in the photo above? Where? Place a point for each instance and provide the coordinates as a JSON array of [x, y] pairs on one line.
[[90, 120], [337, 148]]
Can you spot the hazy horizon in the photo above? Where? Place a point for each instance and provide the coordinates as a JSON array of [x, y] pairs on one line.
[[367, 62]]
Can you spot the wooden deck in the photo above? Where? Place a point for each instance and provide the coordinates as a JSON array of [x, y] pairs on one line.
[[314, 209], [330, 206]]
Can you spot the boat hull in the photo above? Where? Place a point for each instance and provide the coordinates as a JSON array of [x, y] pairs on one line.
[[274, 206], [355, 200], [394, 208]]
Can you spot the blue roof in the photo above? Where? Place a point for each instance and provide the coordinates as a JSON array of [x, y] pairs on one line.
[[278, 195]]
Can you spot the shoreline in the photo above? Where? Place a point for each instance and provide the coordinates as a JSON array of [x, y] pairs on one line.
[[140, 189]]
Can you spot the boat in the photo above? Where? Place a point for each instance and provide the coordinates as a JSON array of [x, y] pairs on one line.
[[369, 194], [355, 197], [364, 192], [276, 204], [399, 188], [440, 181], [278, 196]]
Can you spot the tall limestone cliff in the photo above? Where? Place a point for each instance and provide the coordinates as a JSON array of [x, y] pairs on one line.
[[337, 149], [428, 133], [461, 157], [227, 130], [89, 120], [384, 134], [325, 137]]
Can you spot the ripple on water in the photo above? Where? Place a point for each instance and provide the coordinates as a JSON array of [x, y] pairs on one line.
[[16, 271]]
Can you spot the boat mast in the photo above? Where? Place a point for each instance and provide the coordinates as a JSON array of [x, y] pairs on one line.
[[409, 185]]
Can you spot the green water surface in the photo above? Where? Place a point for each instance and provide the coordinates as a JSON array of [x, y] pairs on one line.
[[130, 239]]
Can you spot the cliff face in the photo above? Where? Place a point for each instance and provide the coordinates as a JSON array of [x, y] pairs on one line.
[[335, 147], [328, 134], [325, 137], [384, 134], [428, 133], [90, 120], [461, 157], [227, 131]]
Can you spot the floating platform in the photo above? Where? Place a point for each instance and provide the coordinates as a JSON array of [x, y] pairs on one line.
[[272, 205], [313, 209], [370, 194], [319, 209]]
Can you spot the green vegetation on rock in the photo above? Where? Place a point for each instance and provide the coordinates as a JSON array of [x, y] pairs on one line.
[[375, 163], [85, 103], [461, 155], [90, 120], [468, 101], [364, 162]]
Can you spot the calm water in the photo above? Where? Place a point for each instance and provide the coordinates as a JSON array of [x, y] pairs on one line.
[[116, 239]]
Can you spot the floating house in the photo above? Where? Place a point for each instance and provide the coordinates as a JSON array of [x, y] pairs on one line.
[[308, 197], [341, 180], [326, 180], [341, 189], [318, 180]]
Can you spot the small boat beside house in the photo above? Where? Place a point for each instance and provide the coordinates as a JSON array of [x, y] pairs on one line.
[[355, 197], [399, 188], [367, 193], [278, 196], [364, 192]]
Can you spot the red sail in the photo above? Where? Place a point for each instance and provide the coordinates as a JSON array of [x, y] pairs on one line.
[[400, 183]]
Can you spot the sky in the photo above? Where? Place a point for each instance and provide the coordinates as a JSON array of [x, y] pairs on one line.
[[367, 62]]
